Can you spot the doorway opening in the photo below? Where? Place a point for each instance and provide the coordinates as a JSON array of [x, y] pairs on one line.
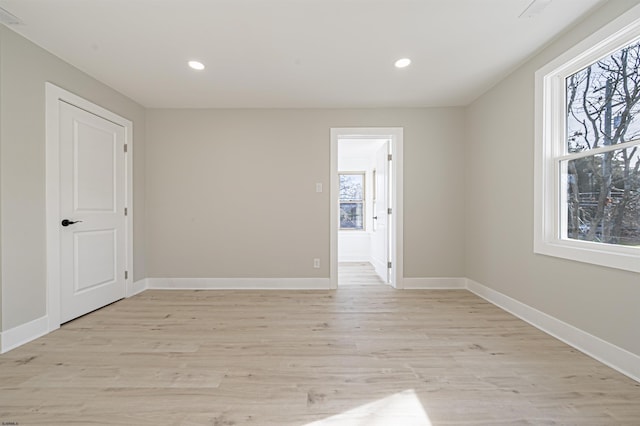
[[366, 206]]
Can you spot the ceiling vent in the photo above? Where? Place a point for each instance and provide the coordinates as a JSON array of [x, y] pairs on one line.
[[9, 19], [535, 8]]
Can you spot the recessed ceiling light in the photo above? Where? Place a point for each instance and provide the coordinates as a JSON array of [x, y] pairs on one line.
[[403, 63], [196, 65]]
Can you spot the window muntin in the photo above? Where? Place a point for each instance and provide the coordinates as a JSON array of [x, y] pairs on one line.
[[352, 192]]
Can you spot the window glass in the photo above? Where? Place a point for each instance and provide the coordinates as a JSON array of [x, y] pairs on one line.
[[352, 201], [602, 198], [603, 206], [602, 101], [351, 216]]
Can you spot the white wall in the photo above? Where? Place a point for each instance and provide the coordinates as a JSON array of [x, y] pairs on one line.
[[354, 246], [499, 204], [221, 183]]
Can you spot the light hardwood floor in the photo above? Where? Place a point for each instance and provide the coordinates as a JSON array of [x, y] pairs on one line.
[[358, 274], [361, 355]]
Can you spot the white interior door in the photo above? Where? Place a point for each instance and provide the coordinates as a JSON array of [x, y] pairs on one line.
[[92, 201], [380, 235]]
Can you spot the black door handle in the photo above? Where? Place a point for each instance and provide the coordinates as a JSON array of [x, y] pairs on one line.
[[67, 222], [375, 217]]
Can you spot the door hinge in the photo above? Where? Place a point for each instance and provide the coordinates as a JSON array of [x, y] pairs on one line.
[[389, 157], [389, 265], [125, 147], [126, 211], [389, 210], [126, 275]]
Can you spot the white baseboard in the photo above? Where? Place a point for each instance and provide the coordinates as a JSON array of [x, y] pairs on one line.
[[137, 287], [609, 354], [239, 283], [379, 266], [24, 333], [434, 283], [615, 357]]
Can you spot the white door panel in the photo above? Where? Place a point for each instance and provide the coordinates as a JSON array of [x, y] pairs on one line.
[[92, 192], [379, 238], [94, 180], [94, 262]]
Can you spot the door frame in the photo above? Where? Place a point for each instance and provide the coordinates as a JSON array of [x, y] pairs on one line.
[[53, 95], [395, 134]]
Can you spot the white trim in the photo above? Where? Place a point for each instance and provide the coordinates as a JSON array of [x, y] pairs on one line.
[[549, 211], [334, 212], [443, 283], [378, 266], [54, 94], [397, 203], [238, 283], [607, 353], [397, 197], [138, 287], [24, 333]]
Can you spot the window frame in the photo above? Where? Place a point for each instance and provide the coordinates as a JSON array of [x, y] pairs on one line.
[[363, 201], [550, 148]]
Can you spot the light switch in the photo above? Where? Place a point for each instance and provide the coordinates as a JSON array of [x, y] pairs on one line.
[[318, 187]]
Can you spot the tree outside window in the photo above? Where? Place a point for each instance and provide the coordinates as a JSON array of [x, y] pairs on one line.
[[602, 158], [352, 201]]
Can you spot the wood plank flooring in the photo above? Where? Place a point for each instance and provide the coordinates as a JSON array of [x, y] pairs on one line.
[[358, 274], [361, 355]]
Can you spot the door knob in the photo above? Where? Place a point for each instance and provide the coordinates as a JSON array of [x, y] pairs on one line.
[[67, 222], [375, 217]]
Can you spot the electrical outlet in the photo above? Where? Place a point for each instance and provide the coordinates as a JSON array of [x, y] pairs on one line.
[[316, 263]]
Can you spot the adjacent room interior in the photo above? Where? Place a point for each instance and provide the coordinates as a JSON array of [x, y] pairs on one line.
[[264, 212], [363, 230], [369, 162]]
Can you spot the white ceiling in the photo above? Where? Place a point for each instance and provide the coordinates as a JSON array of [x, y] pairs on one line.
[[294, 53]]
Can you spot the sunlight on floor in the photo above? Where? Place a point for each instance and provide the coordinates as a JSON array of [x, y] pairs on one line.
[[402, 408]]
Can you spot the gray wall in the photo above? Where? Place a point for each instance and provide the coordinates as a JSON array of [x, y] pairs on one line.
[[24, 69], [231, 193], [1, 223], [499, 220]]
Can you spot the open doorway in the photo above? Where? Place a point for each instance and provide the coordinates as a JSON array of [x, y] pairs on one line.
[[366, 194]]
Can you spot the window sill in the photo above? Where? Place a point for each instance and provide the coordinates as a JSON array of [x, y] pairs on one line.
[[617, 257]]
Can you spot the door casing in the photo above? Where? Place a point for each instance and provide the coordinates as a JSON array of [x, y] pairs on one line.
[[395, 134], [55, 95]]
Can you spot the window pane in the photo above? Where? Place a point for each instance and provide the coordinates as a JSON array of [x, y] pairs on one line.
[[351, 216], [603, 199], [602, 101], [351, 186]]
